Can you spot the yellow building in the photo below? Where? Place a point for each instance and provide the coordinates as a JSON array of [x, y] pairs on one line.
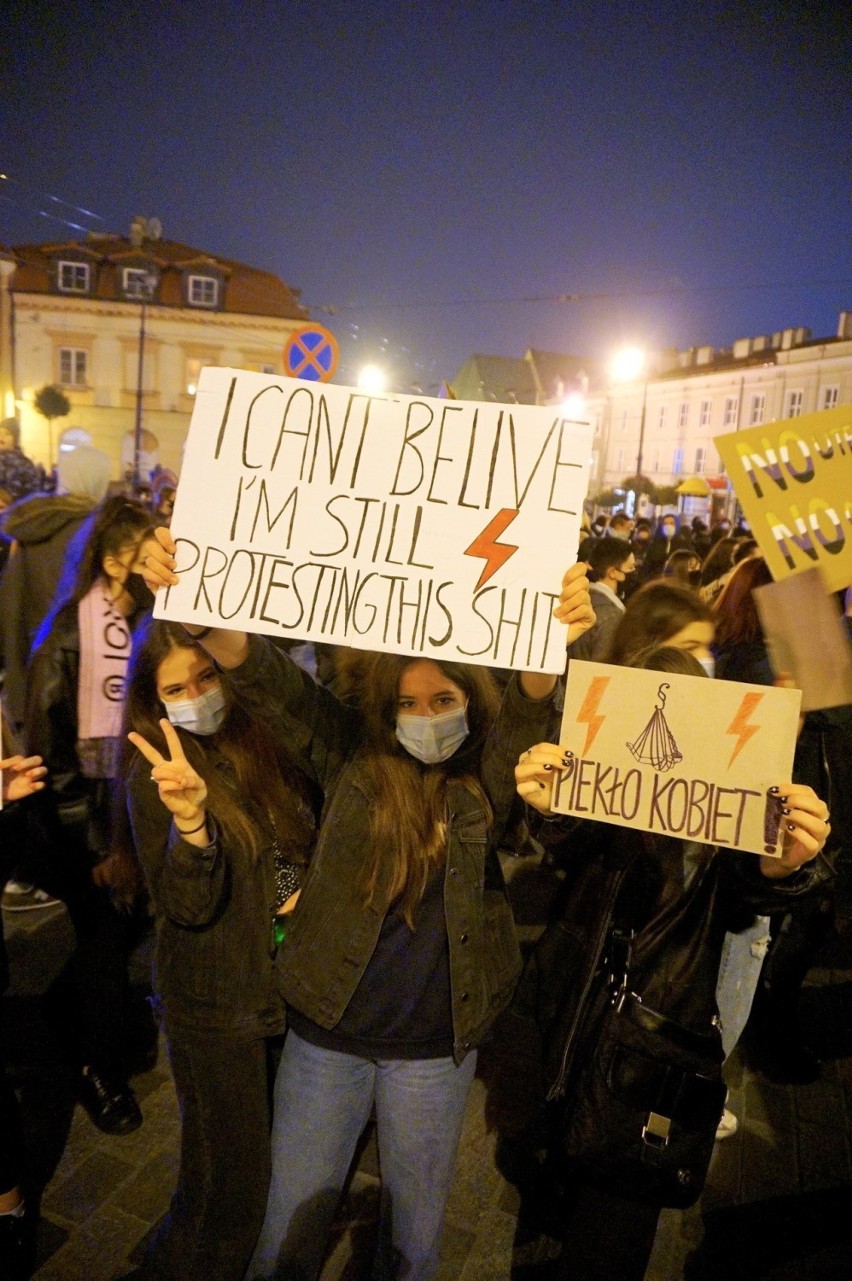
[[77, 314]]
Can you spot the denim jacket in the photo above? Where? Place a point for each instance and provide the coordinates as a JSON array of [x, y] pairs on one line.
[[333, 935]]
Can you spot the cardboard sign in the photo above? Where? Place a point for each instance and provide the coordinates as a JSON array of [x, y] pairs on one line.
[[794, 481], [677, 755], [822, 672], [384, 522]]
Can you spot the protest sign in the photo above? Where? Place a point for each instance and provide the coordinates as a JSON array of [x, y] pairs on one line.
[[794, 482], [384, 522], [677, 755], [823, 673]]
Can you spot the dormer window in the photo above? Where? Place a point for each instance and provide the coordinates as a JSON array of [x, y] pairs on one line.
[[74, 277], [137, 282], [203, 291]]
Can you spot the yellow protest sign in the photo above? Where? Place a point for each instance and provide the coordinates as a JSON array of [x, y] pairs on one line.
[[794, 482]]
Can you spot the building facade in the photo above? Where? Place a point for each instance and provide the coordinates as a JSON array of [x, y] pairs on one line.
[[79, 314]]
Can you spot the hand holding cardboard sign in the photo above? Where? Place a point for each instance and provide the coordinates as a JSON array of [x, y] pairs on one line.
[[804, 818], [575, 602], [534, 774]]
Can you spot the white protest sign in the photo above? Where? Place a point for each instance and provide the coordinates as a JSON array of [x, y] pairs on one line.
[[677, 755], [384, 522]]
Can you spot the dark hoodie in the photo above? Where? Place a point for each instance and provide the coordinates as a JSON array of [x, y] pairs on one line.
[[42, 527]]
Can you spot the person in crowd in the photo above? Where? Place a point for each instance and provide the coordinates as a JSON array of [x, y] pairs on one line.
[[739, 643], [716, 567], [22, 777], [700, 537], [73, 717], [41, 528], [663, 612], [611, 562], [19, 476], [163, 490], [684, 566], [620, 526], [402, 950], [677, 898], [668, 537], [226, 834]]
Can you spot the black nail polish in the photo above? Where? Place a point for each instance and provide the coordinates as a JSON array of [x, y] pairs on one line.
[[785, 811], [783, 800], [548, 767], [773, 791], [791, 827], [541, 785]]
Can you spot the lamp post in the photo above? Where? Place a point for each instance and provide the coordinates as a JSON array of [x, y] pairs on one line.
[[144, 286], [626, 366]]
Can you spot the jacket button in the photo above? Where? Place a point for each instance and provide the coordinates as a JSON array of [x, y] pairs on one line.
[[464, 996], [454, 871], [464, 937]]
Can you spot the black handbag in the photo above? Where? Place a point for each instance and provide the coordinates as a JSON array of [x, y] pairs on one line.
[[644, 1094]]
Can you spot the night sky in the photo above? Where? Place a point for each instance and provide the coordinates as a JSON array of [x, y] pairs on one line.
[[441, 172]]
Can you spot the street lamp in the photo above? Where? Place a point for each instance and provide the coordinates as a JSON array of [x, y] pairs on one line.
[[371, 379], [143, 286], [628, 365]]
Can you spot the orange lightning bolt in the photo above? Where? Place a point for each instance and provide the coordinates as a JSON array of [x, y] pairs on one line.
[[587, 714], [740, 726], [485, 545]]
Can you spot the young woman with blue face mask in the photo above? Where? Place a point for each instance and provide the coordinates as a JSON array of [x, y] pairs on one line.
[[222, 835], [402, 950]]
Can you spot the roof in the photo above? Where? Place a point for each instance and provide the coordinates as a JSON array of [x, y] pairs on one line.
[[504, 379], [246, 290]]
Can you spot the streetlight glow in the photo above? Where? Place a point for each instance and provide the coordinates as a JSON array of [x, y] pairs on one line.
[[574, 404], [371, 379], [627, 365]]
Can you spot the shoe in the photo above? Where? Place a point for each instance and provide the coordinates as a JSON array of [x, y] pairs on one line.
[[19, 896], [727, 1125], [111, 1104], [17, 1247]]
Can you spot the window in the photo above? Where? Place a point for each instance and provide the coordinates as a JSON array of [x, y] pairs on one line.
[[619, 460], [661, 420], [677, 462], [794, 404], [758, 407], [203, 291], [72, 367], [193, 369], [74, 277], [683, 414], [729, 419], [706, 409], [700, 459], [830, 397], [655, 461], [138, 283], [624, 422]]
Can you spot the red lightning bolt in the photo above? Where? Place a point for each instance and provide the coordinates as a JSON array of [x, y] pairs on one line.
[[740, 726], [485, 545], [587, 714]]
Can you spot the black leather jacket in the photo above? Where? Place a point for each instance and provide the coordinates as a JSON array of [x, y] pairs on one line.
[[679, 897]]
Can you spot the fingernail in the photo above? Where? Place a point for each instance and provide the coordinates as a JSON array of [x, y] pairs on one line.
[[791, 827], [548, 767], [783, 800], [541, 785], [785, 811], [773, 791]]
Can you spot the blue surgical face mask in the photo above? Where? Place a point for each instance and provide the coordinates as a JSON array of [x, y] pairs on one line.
[[709, 665], [203, 715], [433, 739]]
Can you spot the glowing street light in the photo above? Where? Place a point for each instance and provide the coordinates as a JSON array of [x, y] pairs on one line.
[[574, 404], [627, 366], [371, 379]]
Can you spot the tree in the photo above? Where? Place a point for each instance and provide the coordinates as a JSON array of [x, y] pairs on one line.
[[51, 403]]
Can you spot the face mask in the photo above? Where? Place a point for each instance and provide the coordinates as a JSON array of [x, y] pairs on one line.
[[668, 531], [709, 665], [433, 739], [203, 715]]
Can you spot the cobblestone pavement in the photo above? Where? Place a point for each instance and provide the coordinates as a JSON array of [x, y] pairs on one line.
[[777, 1204]]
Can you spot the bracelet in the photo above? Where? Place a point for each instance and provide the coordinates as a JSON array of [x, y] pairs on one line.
[[196, 636], [190, 830]]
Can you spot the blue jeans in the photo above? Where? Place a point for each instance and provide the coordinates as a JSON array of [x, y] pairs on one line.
[[323, 1100], [739, 973]]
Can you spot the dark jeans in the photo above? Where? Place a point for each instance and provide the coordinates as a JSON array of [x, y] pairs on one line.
[[217, 1208], [606, 1237]]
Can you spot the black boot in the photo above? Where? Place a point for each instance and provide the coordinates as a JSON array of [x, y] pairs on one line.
[[110, 1102]]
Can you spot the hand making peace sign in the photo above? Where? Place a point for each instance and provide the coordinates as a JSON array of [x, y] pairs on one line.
[[182, 791]]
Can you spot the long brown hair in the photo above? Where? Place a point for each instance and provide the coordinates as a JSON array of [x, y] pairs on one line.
[[656, 612], [408, 817], [268, 780], [737, 619]]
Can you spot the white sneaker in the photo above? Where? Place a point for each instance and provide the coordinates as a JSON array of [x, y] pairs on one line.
[[21, 897], [727, 1125]]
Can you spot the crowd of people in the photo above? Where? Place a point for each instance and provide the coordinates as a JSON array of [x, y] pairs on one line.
[[319, 862]]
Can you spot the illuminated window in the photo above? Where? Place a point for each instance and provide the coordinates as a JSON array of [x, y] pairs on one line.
[[193, 369], [74, 277], [677, 462], [72, 367], [794, 403], [700, 460], [138, 283], [830, 397], [758, 408]]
